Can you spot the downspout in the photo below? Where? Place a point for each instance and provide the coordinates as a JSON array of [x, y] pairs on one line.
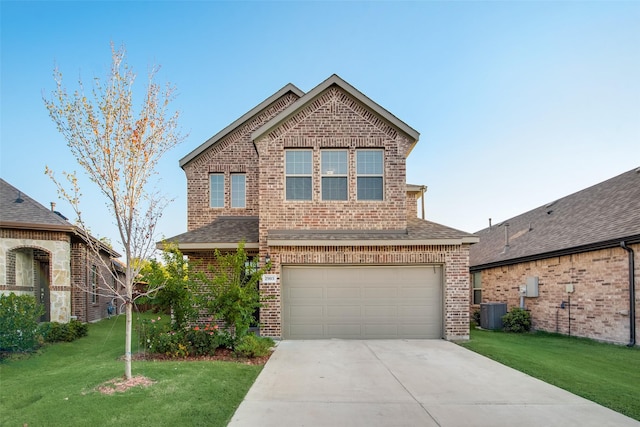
[[632, 295]]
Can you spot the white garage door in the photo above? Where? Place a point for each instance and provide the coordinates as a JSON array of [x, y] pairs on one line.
[[362, 302]]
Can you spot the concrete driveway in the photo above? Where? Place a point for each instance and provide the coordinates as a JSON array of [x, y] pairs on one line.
[[405, 383]]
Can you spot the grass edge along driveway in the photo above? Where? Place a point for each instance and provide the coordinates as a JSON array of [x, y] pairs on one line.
[[57, 386], [607, 374]]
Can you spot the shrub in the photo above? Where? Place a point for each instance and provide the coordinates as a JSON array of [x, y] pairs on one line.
[[253, 346], [475, 317], [19, 316], [203, 341], [66, 332], [517, 320]]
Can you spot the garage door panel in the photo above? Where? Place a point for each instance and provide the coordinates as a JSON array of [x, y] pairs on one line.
[[362, 302], [342, 292], [344, 311], [381, 292], [344, 330]]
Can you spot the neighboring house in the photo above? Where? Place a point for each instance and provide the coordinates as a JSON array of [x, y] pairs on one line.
[[44, 255], [583, 252], [316, 182]]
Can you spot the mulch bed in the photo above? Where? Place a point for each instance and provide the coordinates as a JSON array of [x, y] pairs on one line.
[[221, 354]]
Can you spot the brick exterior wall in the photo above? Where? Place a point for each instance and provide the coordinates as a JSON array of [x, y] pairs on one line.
[[82, 306], [235, 153], [599, 303], [334, 120]]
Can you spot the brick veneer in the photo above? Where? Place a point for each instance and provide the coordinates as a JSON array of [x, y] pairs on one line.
[[234, 153], [599, 303]]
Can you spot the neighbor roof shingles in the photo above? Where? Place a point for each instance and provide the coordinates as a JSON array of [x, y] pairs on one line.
[[605, 212], [29, 213]]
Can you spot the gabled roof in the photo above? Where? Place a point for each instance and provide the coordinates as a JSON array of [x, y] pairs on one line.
[[247, 116], [317, 91], [19, 211], [597, 217]]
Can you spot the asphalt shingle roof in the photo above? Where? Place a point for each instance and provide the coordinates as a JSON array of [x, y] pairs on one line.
[[224, 229], [28, 212], [233, 229], [606, 212]]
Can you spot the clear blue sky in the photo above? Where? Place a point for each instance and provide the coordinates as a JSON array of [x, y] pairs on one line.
[[517, 103]]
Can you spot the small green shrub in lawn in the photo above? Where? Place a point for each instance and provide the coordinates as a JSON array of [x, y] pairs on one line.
[[66, 332], [19, 315], [517, 320], [253, 346]]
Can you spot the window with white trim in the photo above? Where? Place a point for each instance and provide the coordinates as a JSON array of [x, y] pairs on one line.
[[334, 170], [216, 190], [370, 174], [238, 190], [298, 170]]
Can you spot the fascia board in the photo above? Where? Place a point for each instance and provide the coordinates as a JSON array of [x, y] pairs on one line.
[[245, 117], [381, 242], [211, 246], [313, 93]]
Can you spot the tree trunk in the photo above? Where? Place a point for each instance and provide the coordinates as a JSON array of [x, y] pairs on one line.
[[127, 340]]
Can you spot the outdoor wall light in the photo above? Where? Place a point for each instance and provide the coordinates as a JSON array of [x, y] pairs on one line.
[[267, 262]]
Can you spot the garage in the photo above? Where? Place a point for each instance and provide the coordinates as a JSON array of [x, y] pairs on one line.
[[362, 302]]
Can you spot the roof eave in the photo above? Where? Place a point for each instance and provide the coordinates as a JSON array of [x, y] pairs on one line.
[[607, 244], [39, 227], [315, 92], [244, 118], [208, 246]]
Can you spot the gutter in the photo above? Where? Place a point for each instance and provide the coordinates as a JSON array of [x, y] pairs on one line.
[[632, 295]]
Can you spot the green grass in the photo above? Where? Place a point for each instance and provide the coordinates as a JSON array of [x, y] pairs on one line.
[[603, 373], [56, 386]]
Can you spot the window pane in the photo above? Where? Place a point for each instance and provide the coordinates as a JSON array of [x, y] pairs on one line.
[[369, 162], [238, 191], [298, 188], [298, 162], [370, 188], [334, 162], [477, 296], [334, 188], [216, 190]]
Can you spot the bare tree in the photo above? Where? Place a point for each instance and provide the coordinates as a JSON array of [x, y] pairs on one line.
[[119, 148]]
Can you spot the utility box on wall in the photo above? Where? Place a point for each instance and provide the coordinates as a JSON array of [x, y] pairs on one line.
[[491, 314], [532, 287]]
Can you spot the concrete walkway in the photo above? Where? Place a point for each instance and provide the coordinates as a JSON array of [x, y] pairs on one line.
[[406, 383]]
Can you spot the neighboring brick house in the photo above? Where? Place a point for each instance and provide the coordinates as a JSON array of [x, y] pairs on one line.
[[583, 251], [317, 183], [44, 255]]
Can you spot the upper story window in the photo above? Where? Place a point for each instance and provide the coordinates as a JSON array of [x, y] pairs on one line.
[[334, 171], [216, 190], [370, 174], [298, 172], [238, 190]]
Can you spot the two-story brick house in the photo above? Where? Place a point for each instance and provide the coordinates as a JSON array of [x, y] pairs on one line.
[[316, 182]]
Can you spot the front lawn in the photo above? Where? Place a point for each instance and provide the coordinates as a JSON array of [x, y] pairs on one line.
[[603, 373], [57, 386]]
